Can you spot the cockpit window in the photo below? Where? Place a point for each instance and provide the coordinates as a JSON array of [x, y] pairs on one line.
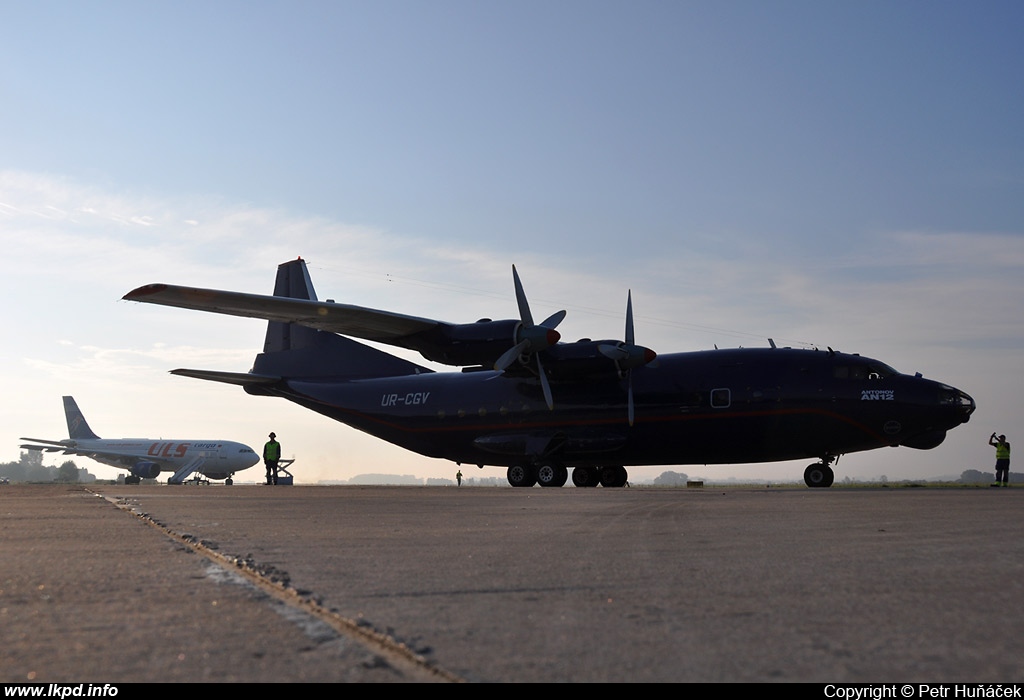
[[873, 370], [880, 370]]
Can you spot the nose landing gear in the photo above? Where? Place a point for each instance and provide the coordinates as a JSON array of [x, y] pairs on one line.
[[820, 474]]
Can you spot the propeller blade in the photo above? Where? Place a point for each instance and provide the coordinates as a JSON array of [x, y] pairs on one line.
[[524, 305], [545, 386], [511, 355], [532, 338], [554, 319], [629, 355], [629, 317]]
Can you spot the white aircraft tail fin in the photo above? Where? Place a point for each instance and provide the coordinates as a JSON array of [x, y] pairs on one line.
[[78, 429]]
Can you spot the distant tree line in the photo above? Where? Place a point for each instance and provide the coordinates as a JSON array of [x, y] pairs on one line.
[[671, 479], [973, 476], [30, 468]]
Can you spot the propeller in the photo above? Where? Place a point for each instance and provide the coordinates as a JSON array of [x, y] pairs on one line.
[[628, 355], [531, 338]]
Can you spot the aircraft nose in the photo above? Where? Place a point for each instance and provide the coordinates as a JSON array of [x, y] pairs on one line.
[[958, 399]]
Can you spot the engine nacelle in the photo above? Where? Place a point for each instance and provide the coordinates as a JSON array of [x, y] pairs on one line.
[[594, 358], [146, 470], [479, 343]]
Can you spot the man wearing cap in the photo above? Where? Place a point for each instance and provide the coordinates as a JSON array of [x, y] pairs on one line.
[[1002, 459], [271, 456]]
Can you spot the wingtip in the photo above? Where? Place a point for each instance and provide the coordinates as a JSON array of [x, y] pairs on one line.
[[143, 291]]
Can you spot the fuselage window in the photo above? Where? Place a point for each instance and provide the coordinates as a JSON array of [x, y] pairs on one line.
[[720, 398]]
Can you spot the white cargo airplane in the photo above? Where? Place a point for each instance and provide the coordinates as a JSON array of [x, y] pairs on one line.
[[145, 458]]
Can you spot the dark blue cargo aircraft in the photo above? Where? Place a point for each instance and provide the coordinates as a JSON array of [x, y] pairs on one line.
[[540, 407]]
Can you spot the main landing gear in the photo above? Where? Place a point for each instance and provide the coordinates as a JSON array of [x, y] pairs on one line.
[[553, 475], [820, 474]]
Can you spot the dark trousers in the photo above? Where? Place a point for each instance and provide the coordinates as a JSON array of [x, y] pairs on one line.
[[271, 473], [1002, 471]]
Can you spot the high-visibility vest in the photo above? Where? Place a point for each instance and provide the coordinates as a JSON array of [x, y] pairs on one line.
[[1002, 450], [272, 451]]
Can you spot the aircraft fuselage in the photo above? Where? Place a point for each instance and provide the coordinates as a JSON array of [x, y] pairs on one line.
[[708, 407], [222, 458]]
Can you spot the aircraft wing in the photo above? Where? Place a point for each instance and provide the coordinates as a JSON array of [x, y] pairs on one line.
[[107, 454], [344, 319]]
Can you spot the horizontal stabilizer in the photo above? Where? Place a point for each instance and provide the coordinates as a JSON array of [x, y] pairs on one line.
[[238, 378], [59, 443]]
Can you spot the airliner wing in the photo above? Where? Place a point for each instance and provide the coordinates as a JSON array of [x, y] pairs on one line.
[[345, 319], [107, 454]]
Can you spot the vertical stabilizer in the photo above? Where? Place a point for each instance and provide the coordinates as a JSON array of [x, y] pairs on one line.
[[295, 351], [78, 429], [292, 282]]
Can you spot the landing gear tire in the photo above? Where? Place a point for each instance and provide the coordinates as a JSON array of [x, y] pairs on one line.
[[584, 477], [613, 477], [553, 475], [819, 475], [521, 476], [228, 481]]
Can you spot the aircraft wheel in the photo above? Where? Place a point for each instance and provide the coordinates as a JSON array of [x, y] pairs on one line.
[[552, 475], [819, 475], [583, 477], [519, 475], [228, 481], [613, 477]]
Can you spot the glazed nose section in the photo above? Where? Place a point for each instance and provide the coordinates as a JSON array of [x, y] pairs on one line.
[[957, 399]]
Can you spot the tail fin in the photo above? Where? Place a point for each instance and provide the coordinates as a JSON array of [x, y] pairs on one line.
[[292, 282], [78, 429], [294, 351]]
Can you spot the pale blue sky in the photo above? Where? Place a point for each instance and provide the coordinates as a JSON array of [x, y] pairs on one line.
[[844, 174]]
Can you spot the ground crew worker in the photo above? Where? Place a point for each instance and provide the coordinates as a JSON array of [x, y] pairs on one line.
[[458, 477], [1002, 459], [271, 456]]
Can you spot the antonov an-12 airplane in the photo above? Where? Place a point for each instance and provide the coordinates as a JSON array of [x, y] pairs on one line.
[[145, 458], [539, 407]]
